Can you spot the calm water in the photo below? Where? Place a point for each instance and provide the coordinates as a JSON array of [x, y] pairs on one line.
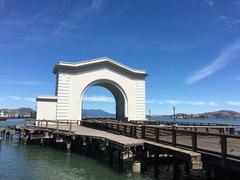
[[40, 163], [12, 122]]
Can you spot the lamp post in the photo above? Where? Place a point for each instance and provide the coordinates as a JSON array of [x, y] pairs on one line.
[[149, 115], [174, 115]]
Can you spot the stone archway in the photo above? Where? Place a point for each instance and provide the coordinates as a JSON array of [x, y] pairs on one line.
[[74, 78], [117, 92]]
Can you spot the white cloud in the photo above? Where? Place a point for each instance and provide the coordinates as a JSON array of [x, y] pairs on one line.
[[152, 101], [209, 3], [14, 98], [222, 17], [160, 102], [99, 99], [194, 103], [212, 103], [186, 102], [2, 2], [79, 13], [236, 4], [233, 103], [231, 52], [237, 78], [2, 99], [30, 99], [174, 102], [25, 83]]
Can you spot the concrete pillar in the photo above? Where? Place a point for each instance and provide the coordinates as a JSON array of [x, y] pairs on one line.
[[156, 170], [176, 171], [68, 146], [110, 155], [187, 168], [136, 167]]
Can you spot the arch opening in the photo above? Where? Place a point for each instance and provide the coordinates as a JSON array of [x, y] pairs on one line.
[[118, 100]]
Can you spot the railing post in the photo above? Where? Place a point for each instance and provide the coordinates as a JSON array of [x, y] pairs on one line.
[[174, 137], [157, 135], [57, 124], [70, 127], [38, 124], [135, 131], [125, 129], [131, 130], [224, 150], [194, 141], [46, 124], [143, 132], [207, 130]]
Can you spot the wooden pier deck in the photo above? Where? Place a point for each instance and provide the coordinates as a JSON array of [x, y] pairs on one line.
[[218, 145], [122, 141]]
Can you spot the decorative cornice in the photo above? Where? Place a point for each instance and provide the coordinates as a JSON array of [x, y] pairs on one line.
[[73, 65]]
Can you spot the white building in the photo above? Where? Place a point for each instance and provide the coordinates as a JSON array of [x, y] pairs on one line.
[[3, 114], [73, 79]]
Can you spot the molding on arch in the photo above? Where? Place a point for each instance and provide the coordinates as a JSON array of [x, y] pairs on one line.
[[94, 62]]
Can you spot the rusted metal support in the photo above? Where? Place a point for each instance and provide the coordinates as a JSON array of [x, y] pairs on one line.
[[125, 129], [135, 131], [68, 147], [131, 130], [207, 130], [224, 150], [70, 127], [174, 137], [194, 141], [157, 135], [143, 132]]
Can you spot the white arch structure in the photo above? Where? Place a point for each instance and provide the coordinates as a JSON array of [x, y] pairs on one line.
[[73, 79]]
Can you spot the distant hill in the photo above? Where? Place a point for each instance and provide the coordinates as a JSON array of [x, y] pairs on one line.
[[28, 112], [222, 114], [97, 113]]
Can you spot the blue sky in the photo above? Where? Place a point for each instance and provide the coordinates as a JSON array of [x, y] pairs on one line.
[[190, 48]]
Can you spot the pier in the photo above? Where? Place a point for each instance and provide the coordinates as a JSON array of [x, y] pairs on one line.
[[209, 148]]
